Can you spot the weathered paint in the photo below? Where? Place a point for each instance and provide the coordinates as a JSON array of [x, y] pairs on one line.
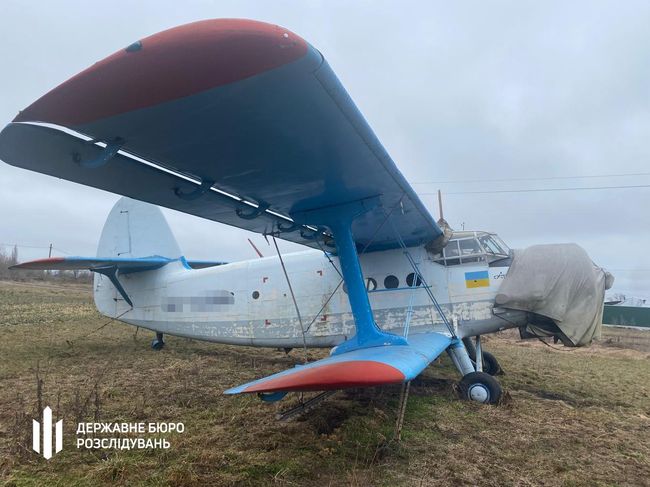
[[255, 306]]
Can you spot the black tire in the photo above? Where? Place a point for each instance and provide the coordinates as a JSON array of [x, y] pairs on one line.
[[480, 387], [157, 344], [491, 364]]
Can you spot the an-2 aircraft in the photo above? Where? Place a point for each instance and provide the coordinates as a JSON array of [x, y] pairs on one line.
[[245, 123]]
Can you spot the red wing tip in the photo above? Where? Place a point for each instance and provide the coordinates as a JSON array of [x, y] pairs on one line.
[[175, 63], [49, 260], [340, 375]]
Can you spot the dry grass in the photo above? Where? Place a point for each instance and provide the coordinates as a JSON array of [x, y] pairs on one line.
[[571, 418]]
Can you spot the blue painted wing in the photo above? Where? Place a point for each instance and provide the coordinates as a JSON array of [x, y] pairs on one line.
[[238, 122], [359, 368]]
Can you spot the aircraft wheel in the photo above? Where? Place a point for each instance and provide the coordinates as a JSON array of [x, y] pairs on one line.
[[158, 343], [480, 387], [491, 364]]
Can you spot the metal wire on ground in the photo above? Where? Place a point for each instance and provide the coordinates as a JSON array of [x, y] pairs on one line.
[[104, 325]]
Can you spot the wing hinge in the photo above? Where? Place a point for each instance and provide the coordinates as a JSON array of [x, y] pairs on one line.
[[254, 212], [105, 155]]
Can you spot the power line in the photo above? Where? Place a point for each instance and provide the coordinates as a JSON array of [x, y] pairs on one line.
[[33, 247], [26, 246], [626, 270], [540, 190], [546, 178]]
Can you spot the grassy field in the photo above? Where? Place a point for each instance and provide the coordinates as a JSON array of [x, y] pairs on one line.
[[569, 418]]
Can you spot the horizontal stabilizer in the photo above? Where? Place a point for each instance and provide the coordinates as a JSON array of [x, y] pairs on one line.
[[124, 265], [366, 367]]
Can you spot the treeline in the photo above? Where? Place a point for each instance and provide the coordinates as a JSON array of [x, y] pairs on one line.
[[9, 259]]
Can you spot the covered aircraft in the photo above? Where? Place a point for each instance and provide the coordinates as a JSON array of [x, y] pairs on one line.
[[245, 123]]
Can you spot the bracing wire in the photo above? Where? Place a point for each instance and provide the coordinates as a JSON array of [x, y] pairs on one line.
[[327, 255], [529, 178], [419, 275], [540, 190], [293, 297]]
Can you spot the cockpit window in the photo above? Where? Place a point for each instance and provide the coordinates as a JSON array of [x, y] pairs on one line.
[[451, 253], [493, 245], [469, 246], [452, 250], [472, 247]]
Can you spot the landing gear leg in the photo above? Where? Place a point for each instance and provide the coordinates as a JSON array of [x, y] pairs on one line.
[[158, 343], [475, 385], [490, 363]]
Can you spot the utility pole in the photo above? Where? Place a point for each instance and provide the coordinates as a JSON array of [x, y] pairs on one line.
[[440, 204], [49, 256]]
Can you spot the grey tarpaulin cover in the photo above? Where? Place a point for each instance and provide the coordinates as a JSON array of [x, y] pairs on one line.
[[562, 283]]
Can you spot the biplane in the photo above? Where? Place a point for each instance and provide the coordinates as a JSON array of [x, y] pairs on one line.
[[245, 123]]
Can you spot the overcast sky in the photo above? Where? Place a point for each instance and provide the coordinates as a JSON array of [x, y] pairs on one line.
[[454, 90]]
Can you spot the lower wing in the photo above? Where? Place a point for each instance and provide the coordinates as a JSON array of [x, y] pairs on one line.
[[125, 265], [364, 367]]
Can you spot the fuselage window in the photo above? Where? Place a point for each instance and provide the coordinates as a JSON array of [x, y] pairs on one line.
[[411, 280], [371, 285], [391, 282], [256, 294]]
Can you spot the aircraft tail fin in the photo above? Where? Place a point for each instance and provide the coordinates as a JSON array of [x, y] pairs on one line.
[[134, 232], [136, 238], [135, 229]]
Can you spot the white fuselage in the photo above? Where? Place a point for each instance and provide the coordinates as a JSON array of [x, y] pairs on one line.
[[249, 302]]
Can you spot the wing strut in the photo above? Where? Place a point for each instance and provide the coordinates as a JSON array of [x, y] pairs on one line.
[[339, 219], [111, 273]]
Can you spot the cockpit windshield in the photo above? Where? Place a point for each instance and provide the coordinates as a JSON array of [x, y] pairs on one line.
[[472, 247], [494, 245]]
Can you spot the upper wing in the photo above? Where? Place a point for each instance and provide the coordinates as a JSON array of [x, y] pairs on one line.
[[359, 368], [235, 121]]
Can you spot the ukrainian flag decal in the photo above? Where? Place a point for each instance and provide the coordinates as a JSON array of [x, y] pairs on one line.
[[477, 279]]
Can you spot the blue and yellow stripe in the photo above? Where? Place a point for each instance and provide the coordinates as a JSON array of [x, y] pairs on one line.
[[477, 279]]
